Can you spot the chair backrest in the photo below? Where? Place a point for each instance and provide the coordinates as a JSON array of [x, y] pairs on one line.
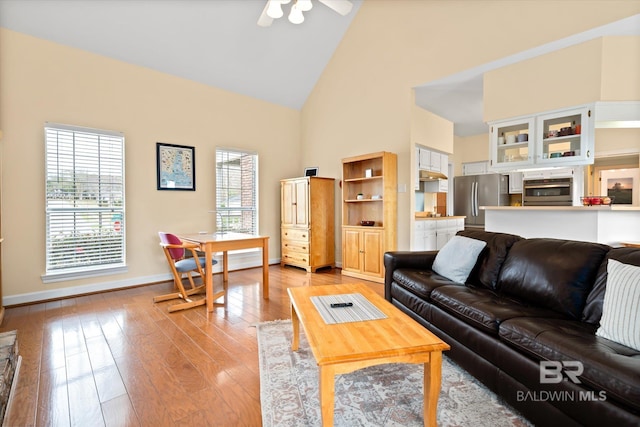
[[172, 239]]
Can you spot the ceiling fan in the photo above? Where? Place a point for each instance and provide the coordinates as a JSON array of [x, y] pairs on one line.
[[273, 10]]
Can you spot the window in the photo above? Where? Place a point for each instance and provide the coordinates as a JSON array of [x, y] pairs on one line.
[[236, 191], [84, 201]]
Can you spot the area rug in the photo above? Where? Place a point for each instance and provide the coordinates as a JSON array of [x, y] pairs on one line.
[[384, 395]]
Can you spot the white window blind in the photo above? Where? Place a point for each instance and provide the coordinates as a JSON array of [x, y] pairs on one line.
[[236, 191], [85, 199]]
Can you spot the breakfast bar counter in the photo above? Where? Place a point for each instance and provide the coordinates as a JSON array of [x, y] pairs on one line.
[[610, 225]]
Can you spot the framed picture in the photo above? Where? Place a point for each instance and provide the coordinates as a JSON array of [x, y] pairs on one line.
[[176, 167], [311, 171], [623, 185]]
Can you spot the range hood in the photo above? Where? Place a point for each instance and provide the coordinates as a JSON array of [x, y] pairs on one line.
[[427, 175]]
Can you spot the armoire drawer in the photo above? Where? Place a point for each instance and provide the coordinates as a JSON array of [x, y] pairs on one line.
[[292, 257], [301, 234], [295, 246]]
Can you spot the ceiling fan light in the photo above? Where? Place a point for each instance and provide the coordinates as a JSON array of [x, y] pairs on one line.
[[274, 10], [304, 5], [296, 16]]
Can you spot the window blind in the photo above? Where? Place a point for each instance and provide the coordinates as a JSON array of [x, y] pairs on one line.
[[85, 221], [236, 191]]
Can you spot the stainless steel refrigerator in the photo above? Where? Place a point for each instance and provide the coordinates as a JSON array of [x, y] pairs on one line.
[[472, 191]]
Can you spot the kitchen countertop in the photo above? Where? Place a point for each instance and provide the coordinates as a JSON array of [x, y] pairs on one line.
[[423, 215], [610, 225], [563, 208]]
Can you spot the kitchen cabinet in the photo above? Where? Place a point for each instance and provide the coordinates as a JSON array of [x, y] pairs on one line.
[[551, 173], [475, 168], [433, 234], [416, 184], [446, 229], [444, 164], [566, 137], [511, 143], [307, 222], [436, 186], [556, 138], [434, 162], [424, 235], [371, 198], [425, 158], [515, 182]]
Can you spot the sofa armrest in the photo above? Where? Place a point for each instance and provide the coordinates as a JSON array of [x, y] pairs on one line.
[[405, 259]]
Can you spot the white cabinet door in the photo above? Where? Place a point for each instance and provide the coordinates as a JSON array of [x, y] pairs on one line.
[[443, 231], [565, 137], [512, 143], [434, 162], [444, 168], [515, 183], [418, 236], [424, 235], [554, 138], [441, 239], [416, 184], [430, 242], [444, 164], [425, 158], [475, 168]]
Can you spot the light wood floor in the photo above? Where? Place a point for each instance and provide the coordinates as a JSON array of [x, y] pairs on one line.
[[117, 359]]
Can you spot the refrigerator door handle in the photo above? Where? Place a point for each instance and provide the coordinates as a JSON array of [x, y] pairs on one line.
[[471, 191], [475, 200]]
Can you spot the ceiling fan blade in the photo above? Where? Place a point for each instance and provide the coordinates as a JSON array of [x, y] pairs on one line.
[[343, 7], [265, 20]]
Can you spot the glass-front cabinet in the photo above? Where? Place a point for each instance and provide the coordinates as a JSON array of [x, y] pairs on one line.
[[512, 143], [557, 138], [566, 137]]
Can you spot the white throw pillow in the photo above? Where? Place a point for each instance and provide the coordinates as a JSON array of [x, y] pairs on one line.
[[620, 320], [457, 258]]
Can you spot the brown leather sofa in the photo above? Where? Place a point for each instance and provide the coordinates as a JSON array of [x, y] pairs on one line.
[[528, 301]]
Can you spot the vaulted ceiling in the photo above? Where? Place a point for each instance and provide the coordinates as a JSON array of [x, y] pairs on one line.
[[218, 42]]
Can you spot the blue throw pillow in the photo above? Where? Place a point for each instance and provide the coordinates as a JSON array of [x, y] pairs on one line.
[[457, 258]]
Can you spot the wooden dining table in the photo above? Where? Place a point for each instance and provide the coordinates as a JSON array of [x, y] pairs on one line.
[[211, 243]]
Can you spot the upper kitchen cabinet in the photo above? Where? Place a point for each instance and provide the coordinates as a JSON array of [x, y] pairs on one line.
[[432, 168], [475, 168], [556, 138], [511, 143], [424, 159], [566, 137]]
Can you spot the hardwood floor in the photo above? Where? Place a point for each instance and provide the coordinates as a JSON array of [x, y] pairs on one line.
[[118, 359]]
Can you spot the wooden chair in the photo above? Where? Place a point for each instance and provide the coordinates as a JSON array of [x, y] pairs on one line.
[[175, 251]]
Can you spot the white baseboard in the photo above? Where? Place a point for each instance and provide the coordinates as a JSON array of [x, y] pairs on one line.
[[237, 261]]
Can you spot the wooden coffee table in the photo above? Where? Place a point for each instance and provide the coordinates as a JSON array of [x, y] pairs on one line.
[[346, 347]]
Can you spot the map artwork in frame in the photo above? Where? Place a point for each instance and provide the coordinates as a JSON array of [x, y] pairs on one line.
[[176, 167]]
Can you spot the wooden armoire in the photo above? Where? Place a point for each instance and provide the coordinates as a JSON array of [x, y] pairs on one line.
[[307, 222]]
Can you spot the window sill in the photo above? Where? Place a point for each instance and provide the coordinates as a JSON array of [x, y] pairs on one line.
[[82, 273]]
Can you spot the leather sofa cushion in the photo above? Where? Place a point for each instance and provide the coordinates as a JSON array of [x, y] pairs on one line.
[[482, 308], [608, 366], [593, 308], [485, 272], [419, 282], [552, 273]]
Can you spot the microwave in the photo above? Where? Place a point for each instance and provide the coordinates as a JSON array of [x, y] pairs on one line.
[[548, 192]]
